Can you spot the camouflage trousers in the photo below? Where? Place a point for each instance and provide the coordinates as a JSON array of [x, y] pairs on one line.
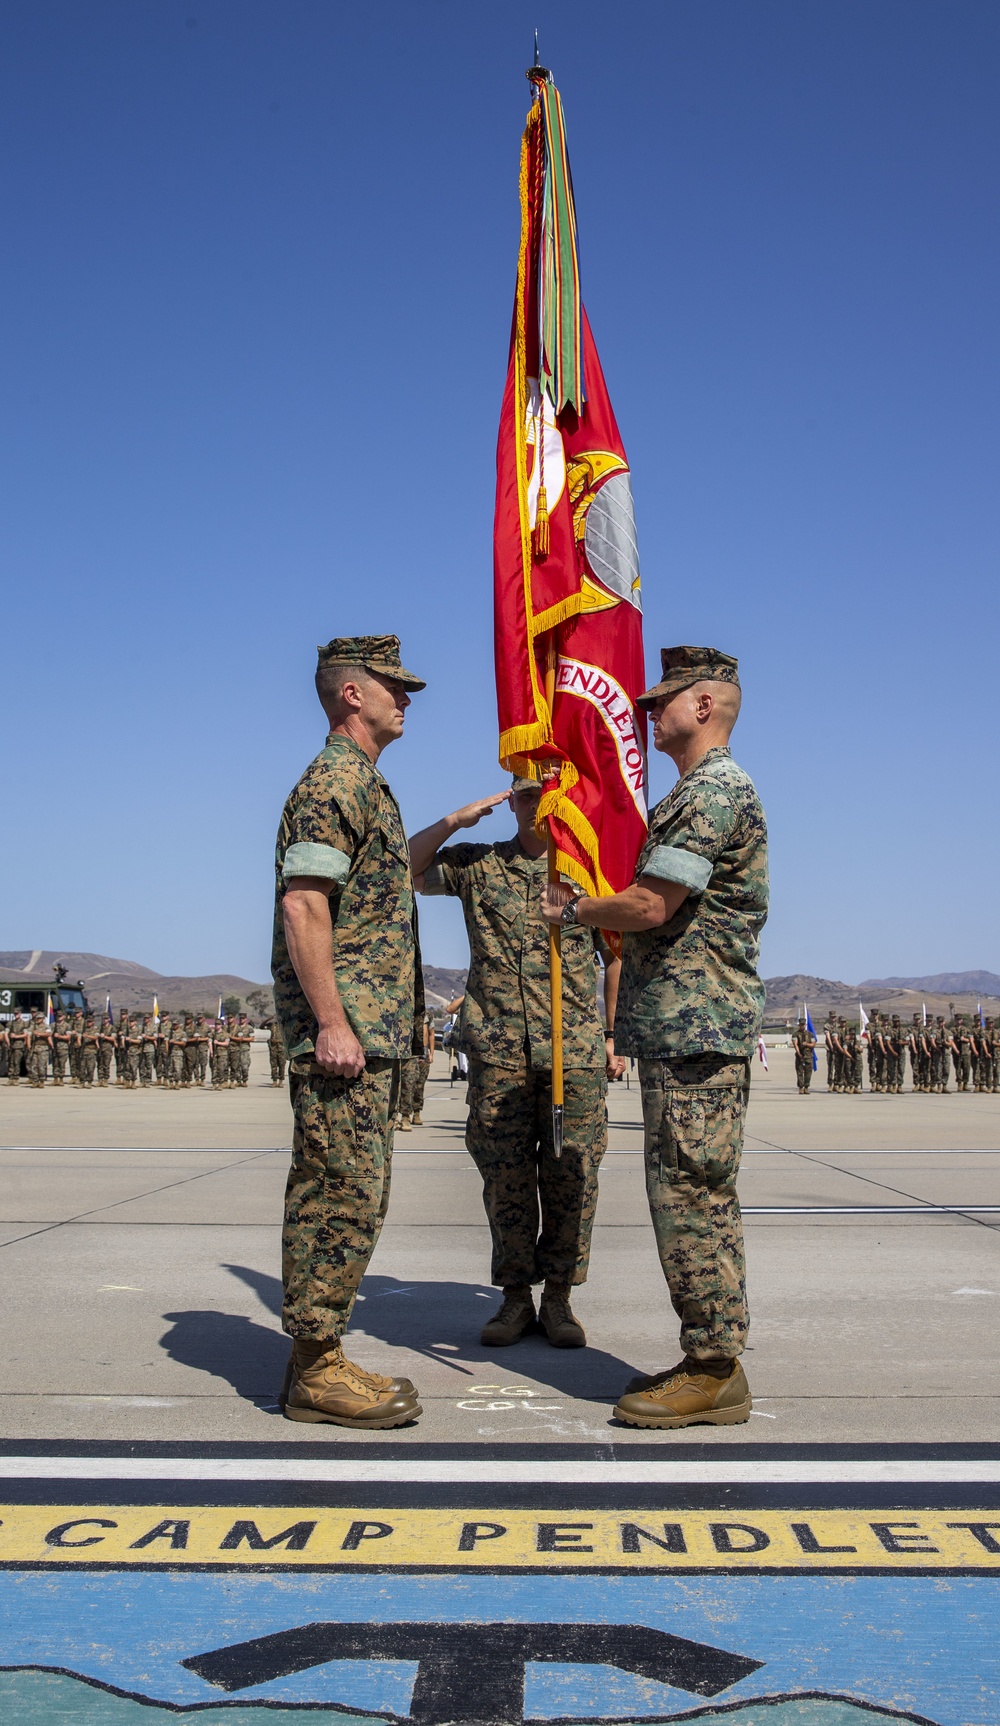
[[38, 1063], [220, 1067], [963, 1067], [60, 1055], [412, 1082], [147, 1058], [239, 1063], [337, 1192], [694, 1110], [104, 1054], [277, 1059], [509, 1137], [803, 1071], [87, 1063]]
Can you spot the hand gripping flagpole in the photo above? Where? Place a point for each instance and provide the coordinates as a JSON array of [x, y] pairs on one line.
[[555, 947]]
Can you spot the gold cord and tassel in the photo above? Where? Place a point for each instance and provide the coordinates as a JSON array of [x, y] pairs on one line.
[[540, 538]]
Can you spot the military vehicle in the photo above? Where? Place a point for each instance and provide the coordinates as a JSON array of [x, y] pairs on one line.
[[20, 996]]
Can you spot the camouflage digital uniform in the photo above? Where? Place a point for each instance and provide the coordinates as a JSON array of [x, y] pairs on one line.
[[961, 1036], [17, 1047], [690, 1007], [895, 1049], [176, 1044], [244, 1044], [941, 1047], [852, 1060], [995, 1048], [147, 1051], [803, 1042], [39, 1048], [61, 1035], [540, 1208], [89, 1044], [133, 1050], [220, 1055], [832, 1054], [276, 1052], [162, 1062], [342, 824], [107, 1044]]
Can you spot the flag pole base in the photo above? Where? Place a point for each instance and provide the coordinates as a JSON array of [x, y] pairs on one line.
[[557, 1128]]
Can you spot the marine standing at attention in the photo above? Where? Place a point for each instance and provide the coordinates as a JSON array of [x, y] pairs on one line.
[[506, 1033], [803, 1042], [349, 995], [690, 1008]]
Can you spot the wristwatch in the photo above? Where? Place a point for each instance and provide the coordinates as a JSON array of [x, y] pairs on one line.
[[568, 912]]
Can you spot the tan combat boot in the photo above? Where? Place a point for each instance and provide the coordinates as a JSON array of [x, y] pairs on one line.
[[402, 1386], [686, 1397], [556, 1317], [403, 1124], [417, 1119], [326, 1387], [515, 1319]]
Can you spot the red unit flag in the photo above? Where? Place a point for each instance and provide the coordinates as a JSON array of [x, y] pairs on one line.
[[566, 566]]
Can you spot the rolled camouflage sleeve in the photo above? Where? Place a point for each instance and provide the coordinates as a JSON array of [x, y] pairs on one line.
[[321, 843], [693, 835]]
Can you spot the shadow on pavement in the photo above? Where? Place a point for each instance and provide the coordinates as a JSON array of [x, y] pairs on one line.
[[439, 1321], [251, 1357]]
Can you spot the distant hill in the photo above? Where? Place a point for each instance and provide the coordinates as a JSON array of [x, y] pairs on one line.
[[944, 983], [133, 986], [442, 985]]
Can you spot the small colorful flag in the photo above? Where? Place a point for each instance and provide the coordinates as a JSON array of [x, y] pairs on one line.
[[864, 1022], [49, 1012], [762, 1052], [220, 1014], [156, 1008]]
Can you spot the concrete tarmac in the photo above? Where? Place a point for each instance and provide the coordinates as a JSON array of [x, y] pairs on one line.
[[139, 1251]]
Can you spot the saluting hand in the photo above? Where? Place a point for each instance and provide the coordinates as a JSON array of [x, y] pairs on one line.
[[474, 812]]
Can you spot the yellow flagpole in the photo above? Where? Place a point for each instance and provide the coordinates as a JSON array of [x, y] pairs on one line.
[[555, 946]]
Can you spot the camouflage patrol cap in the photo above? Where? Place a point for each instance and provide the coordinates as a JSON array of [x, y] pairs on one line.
[[683, 666], [375, 652], [519, 783]]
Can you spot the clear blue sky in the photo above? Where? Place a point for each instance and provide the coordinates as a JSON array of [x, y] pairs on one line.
[[254, 318]]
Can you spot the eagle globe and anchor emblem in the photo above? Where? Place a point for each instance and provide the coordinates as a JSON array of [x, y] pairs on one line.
[[600, 497]]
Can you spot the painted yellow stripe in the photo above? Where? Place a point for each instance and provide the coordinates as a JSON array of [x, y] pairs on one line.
[[483, 1539]]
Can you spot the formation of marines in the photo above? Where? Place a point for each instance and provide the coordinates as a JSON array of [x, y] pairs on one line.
[[936, 1049], [175, 1051]]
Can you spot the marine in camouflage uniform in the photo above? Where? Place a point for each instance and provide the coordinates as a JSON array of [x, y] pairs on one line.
[[176, 1044], [830, 1040], [244, 1034], [89, 1045], [276, 1051], [147, 1051], [540, 1207], [852, 1060], [17, 1047], [61, 1036], [961, 1047], [895, 1044], [220, 1055], [690, 1009], [107, 1045], [804, 1043], [342, 876], [39, 1050], [941, 1048]]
